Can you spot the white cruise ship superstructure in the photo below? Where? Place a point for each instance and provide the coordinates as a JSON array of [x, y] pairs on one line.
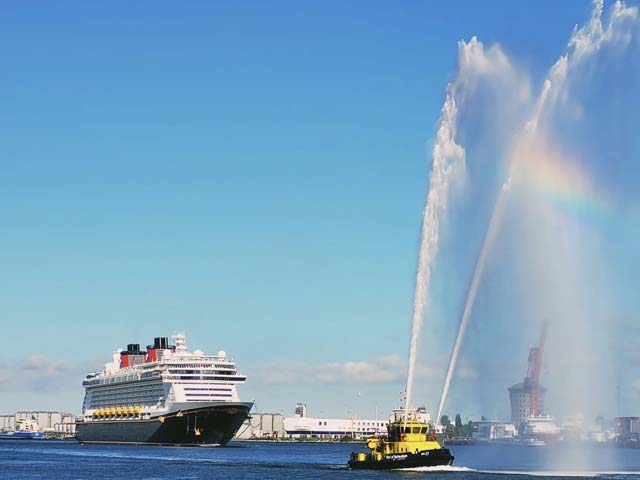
[[163, 395]]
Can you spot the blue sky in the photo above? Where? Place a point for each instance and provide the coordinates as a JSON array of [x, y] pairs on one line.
[[252, 173]]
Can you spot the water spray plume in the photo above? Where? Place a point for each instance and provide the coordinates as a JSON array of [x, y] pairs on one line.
[[584, 42], [448, 158], [487, 243], [448, 165]]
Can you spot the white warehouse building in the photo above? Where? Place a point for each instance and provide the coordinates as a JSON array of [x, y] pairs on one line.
[[301, 426], [262, 425]]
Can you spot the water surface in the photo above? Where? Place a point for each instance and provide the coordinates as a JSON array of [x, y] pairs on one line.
[[290, 461]]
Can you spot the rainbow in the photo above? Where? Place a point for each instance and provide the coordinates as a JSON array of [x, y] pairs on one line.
[[561, 181]]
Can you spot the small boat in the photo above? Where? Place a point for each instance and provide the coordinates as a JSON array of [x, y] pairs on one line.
[[409, 445], [17, 435], [534, 442], [26, 429]]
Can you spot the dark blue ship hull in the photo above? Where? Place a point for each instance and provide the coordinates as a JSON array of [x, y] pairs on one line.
[[213, 425]]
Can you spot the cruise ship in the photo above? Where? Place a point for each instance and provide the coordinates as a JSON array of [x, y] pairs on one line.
[[163, 395]]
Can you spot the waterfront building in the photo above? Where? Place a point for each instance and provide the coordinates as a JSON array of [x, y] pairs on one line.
[[520, 395], [301, 426], [490, 431], [49, 421], [541, 426], [626, 425], [262, 426]]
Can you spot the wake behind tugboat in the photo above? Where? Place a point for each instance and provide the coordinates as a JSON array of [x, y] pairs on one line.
[[409, 445]]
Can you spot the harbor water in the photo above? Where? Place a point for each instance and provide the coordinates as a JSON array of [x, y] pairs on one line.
[[262, 460]]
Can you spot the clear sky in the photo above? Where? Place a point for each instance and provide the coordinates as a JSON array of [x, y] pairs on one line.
[[250, 172]]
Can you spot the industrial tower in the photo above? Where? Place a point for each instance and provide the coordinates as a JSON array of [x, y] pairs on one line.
[[527, 398]]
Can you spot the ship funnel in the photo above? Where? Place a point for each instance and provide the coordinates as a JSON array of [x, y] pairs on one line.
[[160, 343]]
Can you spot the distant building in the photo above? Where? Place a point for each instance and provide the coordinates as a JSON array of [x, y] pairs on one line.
[[49, 421], [301, 410], [301, 426], [597, 437], [7, 423], [487, 431], [520, 396], [262, 425], [542, 427], [626, 425], [527, 398]]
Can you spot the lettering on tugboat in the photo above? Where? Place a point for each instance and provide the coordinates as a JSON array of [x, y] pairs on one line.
[[396, 457]]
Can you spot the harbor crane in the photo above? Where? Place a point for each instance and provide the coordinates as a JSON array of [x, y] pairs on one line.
[[534, 370]]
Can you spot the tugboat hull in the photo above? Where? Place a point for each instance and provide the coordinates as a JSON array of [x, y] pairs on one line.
[[427, 458]]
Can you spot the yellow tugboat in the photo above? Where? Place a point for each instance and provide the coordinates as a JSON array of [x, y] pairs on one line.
[[409, 445]]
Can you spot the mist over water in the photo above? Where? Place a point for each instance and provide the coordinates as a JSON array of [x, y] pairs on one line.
[[544, 239], [532, 147], [478, 270]]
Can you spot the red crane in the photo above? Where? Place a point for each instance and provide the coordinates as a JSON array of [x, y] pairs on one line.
[[534, 370]]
